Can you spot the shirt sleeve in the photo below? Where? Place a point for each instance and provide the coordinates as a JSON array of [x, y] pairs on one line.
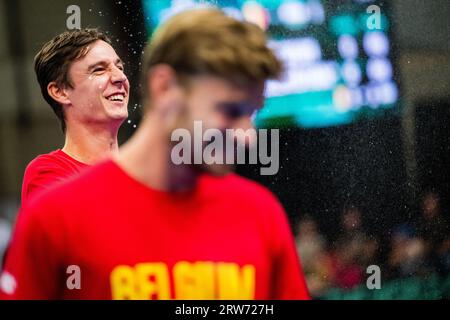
[[288, 281], [32, 266]]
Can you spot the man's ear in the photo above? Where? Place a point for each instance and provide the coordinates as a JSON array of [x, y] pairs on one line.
[[58, 93], [166, 94], [161, 79]]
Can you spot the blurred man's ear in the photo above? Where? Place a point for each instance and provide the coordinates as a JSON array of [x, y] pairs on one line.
[[160, 79], [58, 93], [166, 94]]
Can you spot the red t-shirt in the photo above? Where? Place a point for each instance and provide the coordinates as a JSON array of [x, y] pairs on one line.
[[47, 169], [228, 238]]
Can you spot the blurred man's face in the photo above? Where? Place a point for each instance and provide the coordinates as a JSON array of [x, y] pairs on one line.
[[100, 88], [218, 104]]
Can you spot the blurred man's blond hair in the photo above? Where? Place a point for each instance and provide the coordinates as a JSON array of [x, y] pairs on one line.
[[208, 42]]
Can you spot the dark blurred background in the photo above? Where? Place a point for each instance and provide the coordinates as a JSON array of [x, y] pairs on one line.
[[376, 174]]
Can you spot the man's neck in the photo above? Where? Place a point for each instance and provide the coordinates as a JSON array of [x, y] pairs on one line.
[[91, 144], [147, 158]]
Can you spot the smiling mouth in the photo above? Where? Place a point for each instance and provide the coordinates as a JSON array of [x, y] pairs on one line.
[[120, 97]]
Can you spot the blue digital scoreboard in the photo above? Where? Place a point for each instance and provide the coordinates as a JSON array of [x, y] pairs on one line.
[[337, 57]]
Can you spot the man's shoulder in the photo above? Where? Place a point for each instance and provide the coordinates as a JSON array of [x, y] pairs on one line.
[[240, 183], [52, 161], [89, 182], [47, 169], [255, 201], [43, 159], [236, 187], [53, 156]]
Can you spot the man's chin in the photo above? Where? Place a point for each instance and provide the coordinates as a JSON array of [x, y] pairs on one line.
[[218, 170], [116, 110], [121, 115]]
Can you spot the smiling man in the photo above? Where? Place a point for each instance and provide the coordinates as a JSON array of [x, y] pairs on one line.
[[154, 229], [82, 79]]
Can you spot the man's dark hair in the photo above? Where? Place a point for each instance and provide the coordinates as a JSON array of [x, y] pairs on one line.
[[52, 62]]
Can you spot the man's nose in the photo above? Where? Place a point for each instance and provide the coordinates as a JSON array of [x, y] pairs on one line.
[[245, 122], [244, 135], [118, 76]]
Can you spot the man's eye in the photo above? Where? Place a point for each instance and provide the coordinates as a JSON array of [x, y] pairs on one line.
[[121, 68], [232, 111], [98, 69]]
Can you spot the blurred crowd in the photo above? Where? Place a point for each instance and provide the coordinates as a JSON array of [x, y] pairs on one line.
[[420, 247]]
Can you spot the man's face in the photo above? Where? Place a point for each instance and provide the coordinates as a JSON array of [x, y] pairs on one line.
[[100, 88], [219, 104]]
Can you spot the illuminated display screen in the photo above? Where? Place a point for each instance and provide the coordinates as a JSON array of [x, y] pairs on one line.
[[336, 55]]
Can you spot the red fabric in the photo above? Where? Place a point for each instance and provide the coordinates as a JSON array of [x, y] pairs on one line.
[[47, 169], [227, 239]]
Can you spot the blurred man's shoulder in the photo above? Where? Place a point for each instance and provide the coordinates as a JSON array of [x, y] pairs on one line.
[[243, 183], [239, 187]]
